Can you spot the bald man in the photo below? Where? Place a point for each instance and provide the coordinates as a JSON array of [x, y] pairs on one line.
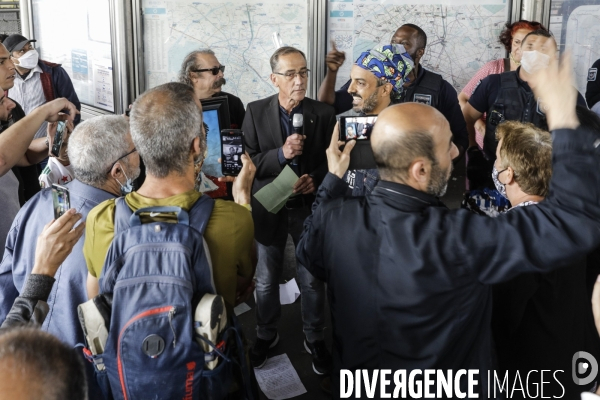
[[407, 278]]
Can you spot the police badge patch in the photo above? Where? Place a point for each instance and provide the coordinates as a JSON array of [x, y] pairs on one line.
[[422, 98], [592, 73]]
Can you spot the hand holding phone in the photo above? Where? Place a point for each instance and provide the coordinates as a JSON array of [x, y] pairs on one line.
[[232, 148], [59, 136], [61, 200]]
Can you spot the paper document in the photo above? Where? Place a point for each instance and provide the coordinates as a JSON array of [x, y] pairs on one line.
[[241, 308], [278, 379], [274, 195], [289, 292]]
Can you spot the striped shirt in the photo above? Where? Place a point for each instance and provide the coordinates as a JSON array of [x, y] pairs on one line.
[[29, 94]]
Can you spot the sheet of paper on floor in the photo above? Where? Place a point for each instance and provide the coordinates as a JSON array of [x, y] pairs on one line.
[[289, 292], [278, 379], [241, 308]]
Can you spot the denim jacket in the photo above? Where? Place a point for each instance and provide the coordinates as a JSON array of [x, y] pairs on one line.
[[69, 289]]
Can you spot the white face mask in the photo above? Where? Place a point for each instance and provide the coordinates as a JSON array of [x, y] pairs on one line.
[[29, 60], [532, 61]]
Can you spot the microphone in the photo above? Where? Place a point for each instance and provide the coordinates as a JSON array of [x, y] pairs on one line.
[[297, 122]]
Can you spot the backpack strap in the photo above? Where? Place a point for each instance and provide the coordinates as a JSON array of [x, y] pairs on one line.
[[122, 215], [197, 217], [506, 64], [200, 213]]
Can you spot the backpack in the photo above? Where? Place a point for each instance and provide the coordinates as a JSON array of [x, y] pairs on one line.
[[154, 275]]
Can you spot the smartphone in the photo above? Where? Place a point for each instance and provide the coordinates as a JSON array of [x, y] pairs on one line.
[[359, 129], [232, 148], [61, 200], [356, 128], [58, 138]]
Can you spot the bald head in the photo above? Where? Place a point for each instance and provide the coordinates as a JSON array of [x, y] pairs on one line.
[[410, 134]]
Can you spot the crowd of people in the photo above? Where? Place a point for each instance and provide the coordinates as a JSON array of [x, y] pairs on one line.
[[132, 290]]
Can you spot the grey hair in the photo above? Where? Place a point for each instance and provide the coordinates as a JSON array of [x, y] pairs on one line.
[[164, 122], [189, 63], [95, 145], [283, 51]]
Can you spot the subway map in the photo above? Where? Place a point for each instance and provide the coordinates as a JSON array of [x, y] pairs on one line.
[[239, 32], [461, 37]]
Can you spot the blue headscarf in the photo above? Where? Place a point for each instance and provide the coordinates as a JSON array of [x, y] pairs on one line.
[[390, 62]]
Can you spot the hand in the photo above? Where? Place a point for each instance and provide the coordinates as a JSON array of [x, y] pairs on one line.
[[305, 185], [63, 157], [245, 288], [480, 127], [54, 110], [242, 184], [337, 160], [56, 242], [335, 58], [555, 88], [293, 146]]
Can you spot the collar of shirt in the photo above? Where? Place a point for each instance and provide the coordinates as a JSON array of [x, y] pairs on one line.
[[287, 120], [523, 204], [30, 74], [88, 192], [412, 199]]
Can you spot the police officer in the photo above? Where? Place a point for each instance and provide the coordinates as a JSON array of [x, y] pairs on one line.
[[422, 86], [508, 97]]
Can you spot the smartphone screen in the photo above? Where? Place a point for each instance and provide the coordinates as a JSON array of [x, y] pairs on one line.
[[58, 138], [232, 148], [356, 128], [61, 200]]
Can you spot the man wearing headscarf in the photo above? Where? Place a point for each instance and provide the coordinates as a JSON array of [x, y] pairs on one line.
[[376, 81]]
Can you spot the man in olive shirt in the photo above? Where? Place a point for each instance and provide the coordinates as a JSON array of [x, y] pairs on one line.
[[164, 127]]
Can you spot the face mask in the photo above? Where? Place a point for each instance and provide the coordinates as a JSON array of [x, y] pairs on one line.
[[500, 187], [128, 187], [533, 61], [29, 60]]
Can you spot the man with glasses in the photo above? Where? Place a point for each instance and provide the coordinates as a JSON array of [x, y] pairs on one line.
[[202, 71], [272, 144], [104, 159], [37, 81]]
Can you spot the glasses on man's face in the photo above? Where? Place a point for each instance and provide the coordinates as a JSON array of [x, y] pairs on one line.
[[291, 74], [214, 70], [120, 158]]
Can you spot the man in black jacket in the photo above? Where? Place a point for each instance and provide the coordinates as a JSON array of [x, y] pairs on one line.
[[272, 144], [408, 279]]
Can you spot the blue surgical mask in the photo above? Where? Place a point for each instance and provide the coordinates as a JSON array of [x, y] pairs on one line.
[[128, 186], [500, 187]]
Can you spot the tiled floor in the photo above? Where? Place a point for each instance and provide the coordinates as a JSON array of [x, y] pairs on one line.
[[290, 325]]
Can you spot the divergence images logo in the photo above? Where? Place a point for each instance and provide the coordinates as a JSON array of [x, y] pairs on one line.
[[584, 363]]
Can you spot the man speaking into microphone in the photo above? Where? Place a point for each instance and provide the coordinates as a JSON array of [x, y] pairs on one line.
[[287, 129]]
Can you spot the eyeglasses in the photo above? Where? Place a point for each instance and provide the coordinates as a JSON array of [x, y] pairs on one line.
[[291, 75], [123, 156], [214, 70]]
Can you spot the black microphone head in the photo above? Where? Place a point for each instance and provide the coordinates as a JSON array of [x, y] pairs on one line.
[[298, 120]]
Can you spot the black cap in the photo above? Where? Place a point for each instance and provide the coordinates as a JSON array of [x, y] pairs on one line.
[[592, 92], [16, 42]]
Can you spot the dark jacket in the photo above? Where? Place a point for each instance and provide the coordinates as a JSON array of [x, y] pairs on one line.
[[539, 321], [56, 83], [263, 137], [408, 279]]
